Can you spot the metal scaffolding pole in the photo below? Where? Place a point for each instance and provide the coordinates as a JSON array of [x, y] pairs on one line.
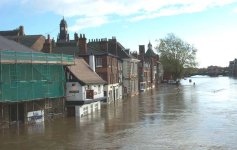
[[17, 115]]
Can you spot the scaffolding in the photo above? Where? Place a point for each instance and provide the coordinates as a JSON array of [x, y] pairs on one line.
[[26, 76], [9, 57]]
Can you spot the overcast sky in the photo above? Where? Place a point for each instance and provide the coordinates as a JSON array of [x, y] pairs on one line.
[[210, 25]]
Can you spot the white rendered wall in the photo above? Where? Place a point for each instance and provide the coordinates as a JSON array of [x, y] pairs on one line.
[[87, 109], [74, 91]]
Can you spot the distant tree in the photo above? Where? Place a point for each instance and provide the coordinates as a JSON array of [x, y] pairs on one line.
[[175, 55]]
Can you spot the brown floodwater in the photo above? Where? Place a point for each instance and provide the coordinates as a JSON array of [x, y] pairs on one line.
[[201, 117]]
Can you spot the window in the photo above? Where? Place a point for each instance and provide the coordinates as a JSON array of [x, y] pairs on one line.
[[98, 62]]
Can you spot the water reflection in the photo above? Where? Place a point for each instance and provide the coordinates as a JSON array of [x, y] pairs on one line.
[[203, 116], [37, 128]]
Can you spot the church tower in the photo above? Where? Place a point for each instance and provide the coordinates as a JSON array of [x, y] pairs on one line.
[[63, 35]]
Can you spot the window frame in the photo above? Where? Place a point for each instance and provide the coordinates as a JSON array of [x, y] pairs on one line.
[[99, 62]]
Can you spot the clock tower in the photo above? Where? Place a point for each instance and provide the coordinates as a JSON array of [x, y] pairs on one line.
[[63, 35]]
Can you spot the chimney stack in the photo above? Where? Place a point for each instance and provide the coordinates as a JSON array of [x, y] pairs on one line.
[[48, 38], [113, 46], [92, 61], [76, 36], [47, 47], [141, 50], [21, 31], [82, 44], [104, 45]]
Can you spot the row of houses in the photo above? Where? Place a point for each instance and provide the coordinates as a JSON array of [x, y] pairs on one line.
[[41, 77]]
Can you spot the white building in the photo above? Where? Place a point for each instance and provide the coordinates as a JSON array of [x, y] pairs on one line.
[[84, 88], [130, 76]]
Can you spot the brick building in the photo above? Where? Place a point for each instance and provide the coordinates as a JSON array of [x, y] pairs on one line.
[[148, 68], [107, 64]]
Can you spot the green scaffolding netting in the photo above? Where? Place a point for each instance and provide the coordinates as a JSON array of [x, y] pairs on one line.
[[24, 82], [6, 55]]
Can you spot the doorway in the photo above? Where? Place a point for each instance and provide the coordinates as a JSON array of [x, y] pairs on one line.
[[16, 112]]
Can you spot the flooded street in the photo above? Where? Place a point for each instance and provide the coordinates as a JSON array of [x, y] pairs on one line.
[[201, 117]]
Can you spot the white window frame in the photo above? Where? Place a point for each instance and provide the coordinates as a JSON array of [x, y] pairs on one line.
[[98, 62]]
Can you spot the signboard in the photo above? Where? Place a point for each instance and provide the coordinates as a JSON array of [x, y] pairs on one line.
[[36, 116], [73, 91], [89, 94]]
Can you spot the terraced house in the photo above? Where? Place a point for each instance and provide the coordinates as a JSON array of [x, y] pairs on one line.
[[130, 73], [107, 64], [148, 68]]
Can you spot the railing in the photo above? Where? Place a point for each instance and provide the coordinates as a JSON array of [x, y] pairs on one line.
[[34, 57]]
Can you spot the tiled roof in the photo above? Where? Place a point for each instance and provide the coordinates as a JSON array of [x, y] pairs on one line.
[[82, 71], [71, 43], [9, 33], [62, 47], [94, 49], [70, 50], [6, 44], [94, 45], [121, 51], [150, 53], [35, 42]]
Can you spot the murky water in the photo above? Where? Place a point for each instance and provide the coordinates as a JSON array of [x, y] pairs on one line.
[[200, 117]]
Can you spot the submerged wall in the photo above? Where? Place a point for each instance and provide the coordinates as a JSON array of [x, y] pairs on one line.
[[29, 112]]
